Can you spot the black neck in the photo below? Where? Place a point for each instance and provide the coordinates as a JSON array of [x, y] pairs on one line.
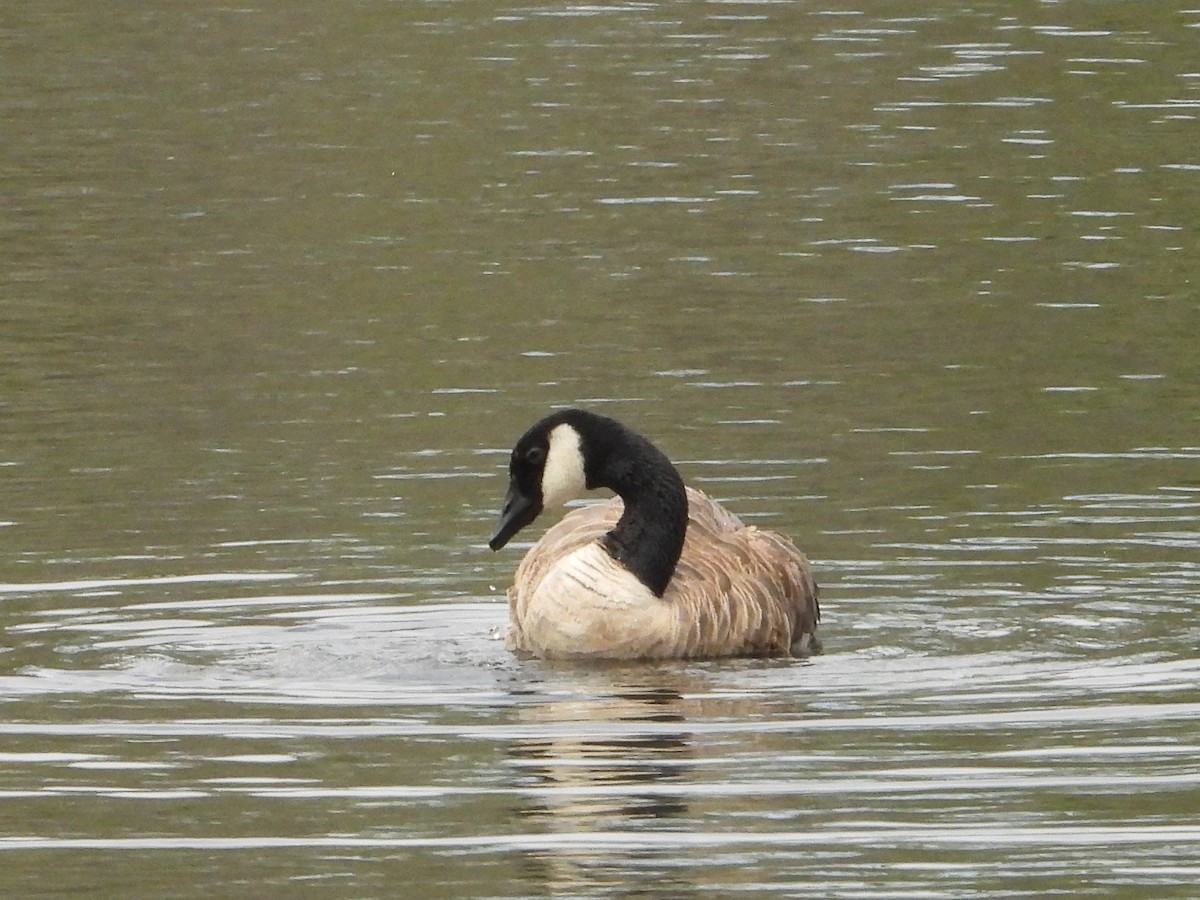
[[648, 538]]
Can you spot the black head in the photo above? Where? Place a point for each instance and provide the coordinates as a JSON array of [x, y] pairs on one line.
[[547, 468]]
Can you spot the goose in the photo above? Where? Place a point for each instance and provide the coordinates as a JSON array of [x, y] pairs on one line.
[[659, 571]]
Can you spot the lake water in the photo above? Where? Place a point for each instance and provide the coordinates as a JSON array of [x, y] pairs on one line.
[[283, 281]]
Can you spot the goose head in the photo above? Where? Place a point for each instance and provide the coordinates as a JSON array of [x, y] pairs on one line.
[[547, 469]]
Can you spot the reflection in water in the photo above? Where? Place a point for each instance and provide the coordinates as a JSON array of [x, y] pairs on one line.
[[599, 772]]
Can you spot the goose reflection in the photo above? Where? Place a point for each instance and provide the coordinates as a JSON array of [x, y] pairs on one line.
[[582, 767], [611, 759]]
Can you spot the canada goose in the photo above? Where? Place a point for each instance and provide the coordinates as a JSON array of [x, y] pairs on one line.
[[659, 571]]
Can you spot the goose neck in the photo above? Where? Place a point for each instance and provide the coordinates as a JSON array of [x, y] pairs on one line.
[[648, 538]]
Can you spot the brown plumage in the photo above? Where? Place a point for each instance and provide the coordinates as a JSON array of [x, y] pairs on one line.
[[660, 571], [736, 591]]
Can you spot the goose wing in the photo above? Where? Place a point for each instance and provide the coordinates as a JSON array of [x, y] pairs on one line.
[[739, 591]]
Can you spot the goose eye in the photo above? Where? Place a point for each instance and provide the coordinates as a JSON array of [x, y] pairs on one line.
[[535, 455]]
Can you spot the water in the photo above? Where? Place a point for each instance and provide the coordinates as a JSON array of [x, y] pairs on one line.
[[281, 285]]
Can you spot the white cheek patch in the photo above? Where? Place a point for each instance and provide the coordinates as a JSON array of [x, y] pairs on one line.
[[563, 478]]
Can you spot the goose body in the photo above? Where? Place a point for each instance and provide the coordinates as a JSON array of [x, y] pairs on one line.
[[660, 571]]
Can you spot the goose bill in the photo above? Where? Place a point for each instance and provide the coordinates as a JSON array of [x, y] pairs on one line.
[[519, 510]]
